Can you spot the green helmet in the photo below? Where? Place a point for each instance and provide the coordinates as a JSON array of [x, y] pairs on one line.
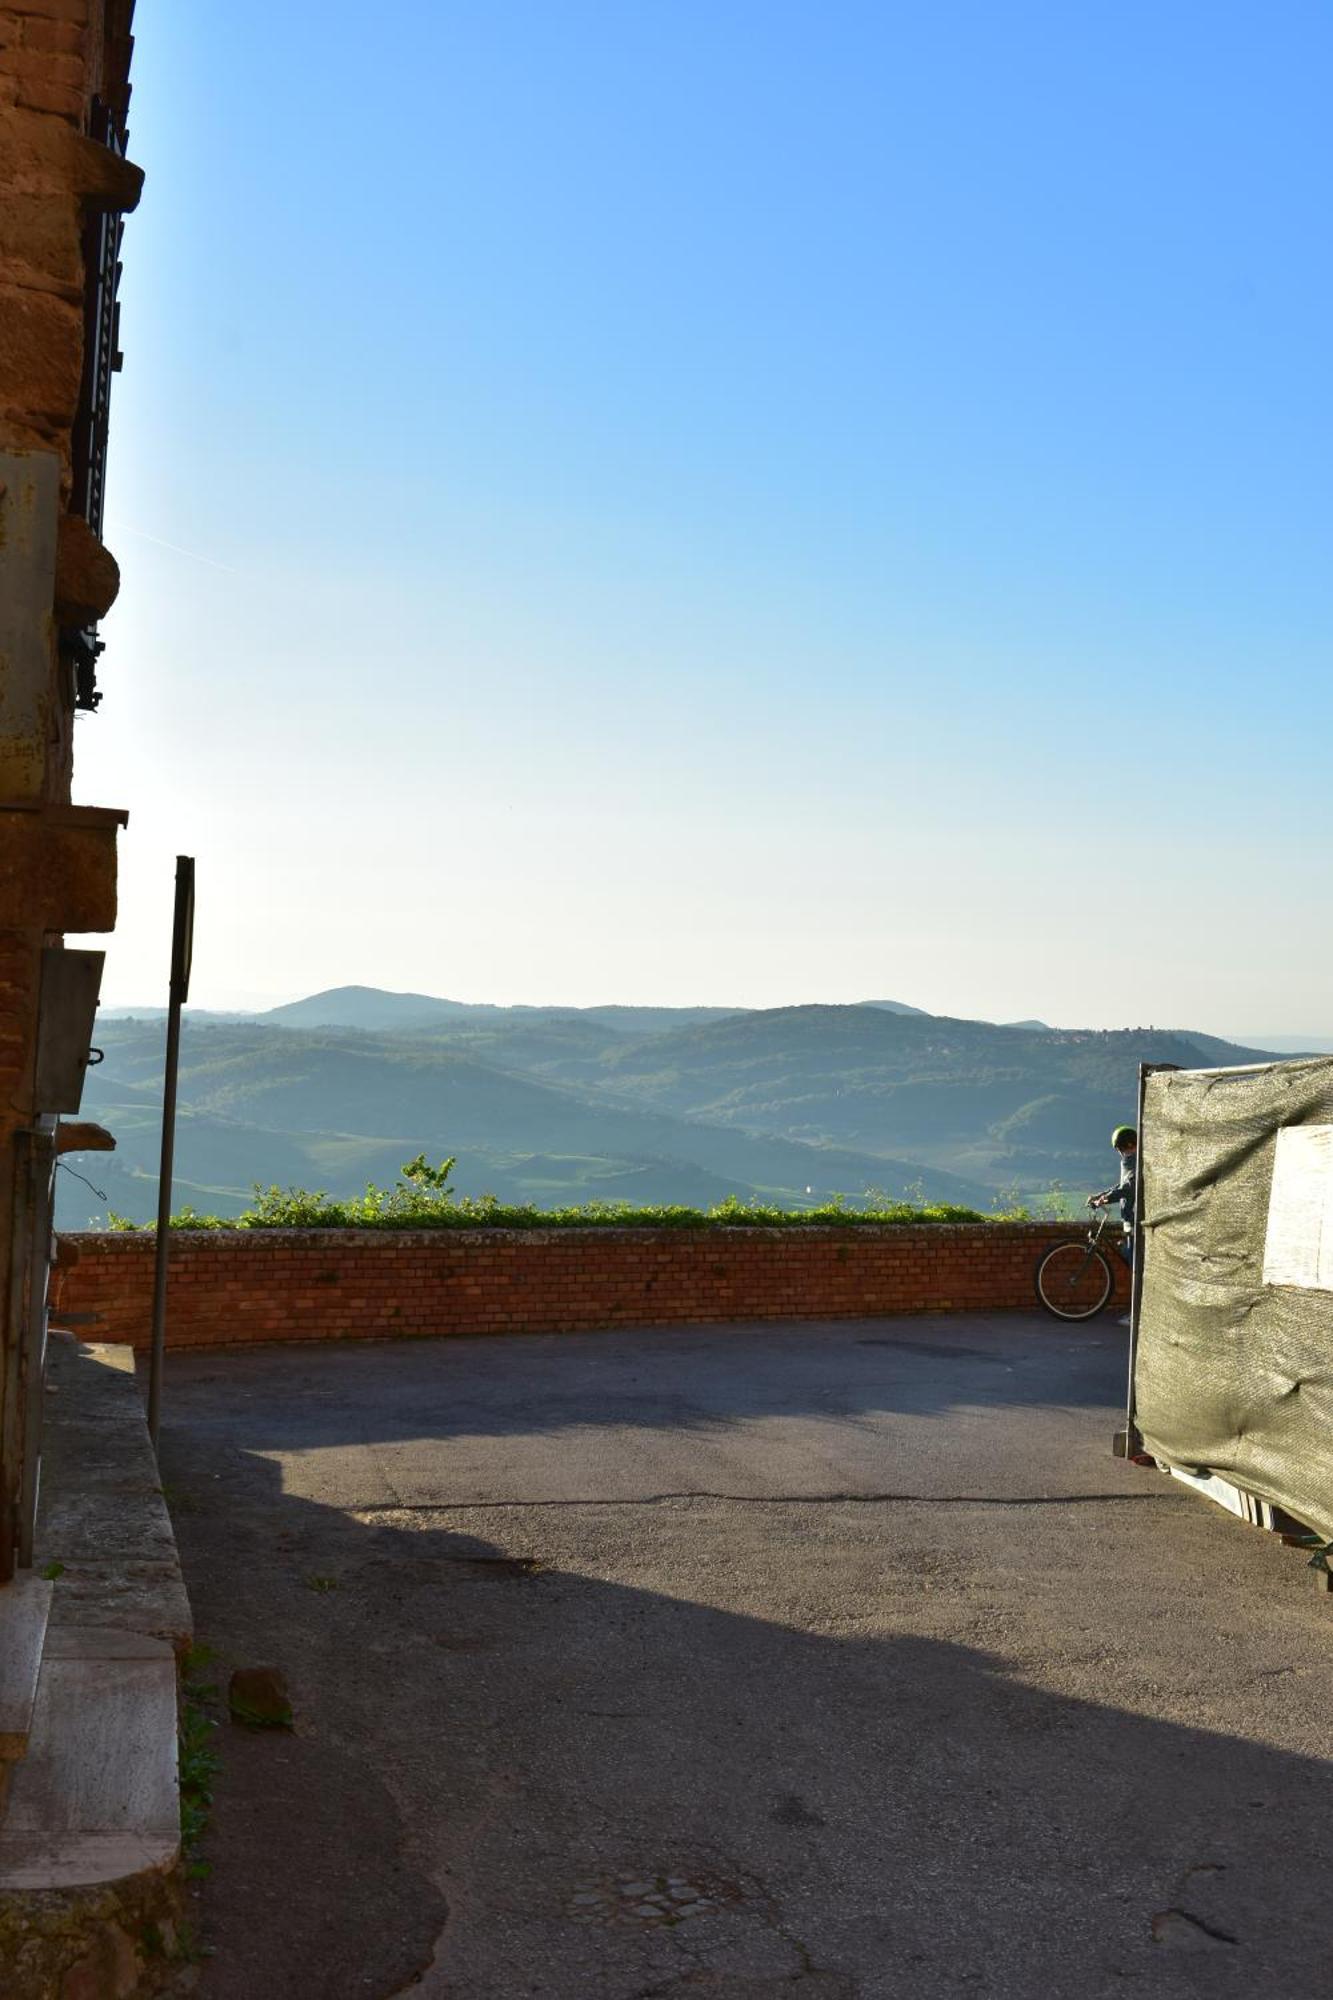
[[1123, 1132]]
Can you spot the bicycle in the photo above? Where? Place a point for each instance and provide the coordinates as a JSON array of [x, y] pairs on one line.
[[1075, 1280]]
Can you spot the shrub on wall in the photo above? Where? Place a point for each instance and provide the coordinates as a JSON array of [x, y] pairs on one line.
[[422, 1198]]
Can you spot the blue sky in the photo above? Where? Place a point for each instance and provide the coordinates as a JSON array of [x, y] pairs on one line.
[[732, 502]]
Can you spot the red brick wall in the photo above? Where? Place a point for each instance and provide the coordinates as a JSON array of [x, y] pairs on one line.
[[242, 1285]]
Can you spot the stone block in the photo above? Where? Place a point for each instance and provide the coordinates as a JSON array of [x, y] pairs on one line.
[[29, 518], [50, 10], [87, 574], [58, 870], [41, 355], [43, 67], [59, 100], [24, 433], [40, 244], [52, 36]]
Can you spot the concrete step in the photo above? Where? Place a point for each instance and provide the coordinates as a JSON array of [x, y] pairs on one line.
[[95, 1799], [25, 1606]]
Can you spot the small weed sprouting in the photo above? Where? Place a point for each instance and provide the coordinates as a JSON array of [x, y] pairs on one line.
[[198, 1767], [189, 1948], [53, 1570], [198, 1764], [321, 1585], [196, 1663], [177, 1943]]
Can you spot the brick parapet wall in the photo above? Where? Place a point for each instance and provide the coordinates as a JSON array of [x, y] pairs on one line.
[[234, 1286]]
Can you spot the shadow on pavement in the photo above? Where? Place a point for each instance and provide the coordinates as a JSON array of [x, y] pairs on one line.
[[481, 1743], [682, 1378]]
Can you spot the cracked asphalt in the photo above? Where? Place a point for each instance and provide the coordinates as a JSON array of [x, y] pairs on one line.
[[839, 1661]]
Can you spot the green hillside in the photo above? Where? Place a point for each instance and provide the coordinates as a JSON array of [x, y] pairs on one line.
[[1008, 1105], [264, 1104], [789, 1104]]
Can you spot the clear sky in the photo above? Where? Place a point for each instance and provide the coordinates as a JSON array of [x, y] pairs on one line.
[[728, 500]]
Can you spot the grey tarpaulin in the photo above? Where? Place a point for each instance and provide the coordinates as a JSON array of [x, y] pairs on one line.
[[1234, 1364]]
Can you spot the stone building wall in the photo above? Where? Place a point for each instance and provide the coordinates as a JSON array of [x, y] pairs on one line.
[[64, 96]]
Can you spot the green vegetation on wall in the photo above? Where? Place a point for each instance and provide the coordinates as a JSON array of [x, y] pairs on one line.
[[423, 1198]]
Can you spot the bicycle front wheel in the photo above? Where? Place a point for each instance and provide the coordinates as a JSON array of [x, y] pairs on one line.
[[1074, 1280]]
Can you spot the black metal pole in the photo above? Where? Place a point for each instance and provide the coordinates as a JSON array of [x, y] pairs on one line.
[[1132, 1439], [182, 931], [11, 1417]]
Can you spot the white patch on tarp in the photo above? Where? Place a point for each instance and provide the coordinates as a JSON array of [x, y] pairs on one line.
[[1298, 1249]]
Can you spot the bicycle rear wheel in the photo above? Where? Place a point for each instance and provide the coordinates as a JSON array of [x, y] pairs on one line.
[[1074, 1280]]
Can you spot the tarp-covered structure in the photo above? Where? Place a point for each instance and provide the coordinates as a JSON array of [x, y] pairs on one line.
[[1233, 1364]]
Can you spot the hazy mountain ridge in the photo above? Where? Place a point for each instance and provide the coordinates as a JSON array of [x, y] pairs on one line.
[[992, 1103], [555, 1105], [334, 1109], [377, 1011]]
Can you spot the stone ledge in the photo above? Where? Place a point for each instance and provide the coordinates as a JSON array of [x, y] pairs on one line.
[[103, 1518], [90, 1891], [84, 1860]]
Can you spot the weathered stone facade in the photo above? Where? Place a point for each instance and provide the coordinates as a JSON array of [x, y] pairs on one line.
[[64, 183], [77, 1921]]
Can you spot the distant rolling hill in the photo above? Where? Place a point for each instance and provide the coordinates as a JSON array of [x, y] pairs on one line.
[[1004, 1105], [332, 1110], [376, 1011], [648, 1104], [366, 1007]]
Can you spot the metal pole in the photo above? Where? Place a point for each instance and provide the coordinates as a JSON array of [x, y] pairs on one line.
[[182, 931], [1133, 1442], [11, 1417], [1132, 1439], [42, 1144]]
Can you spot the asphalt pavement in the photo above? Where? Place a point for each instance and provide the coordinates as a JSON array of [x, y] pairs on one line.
[[834, 1661]]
